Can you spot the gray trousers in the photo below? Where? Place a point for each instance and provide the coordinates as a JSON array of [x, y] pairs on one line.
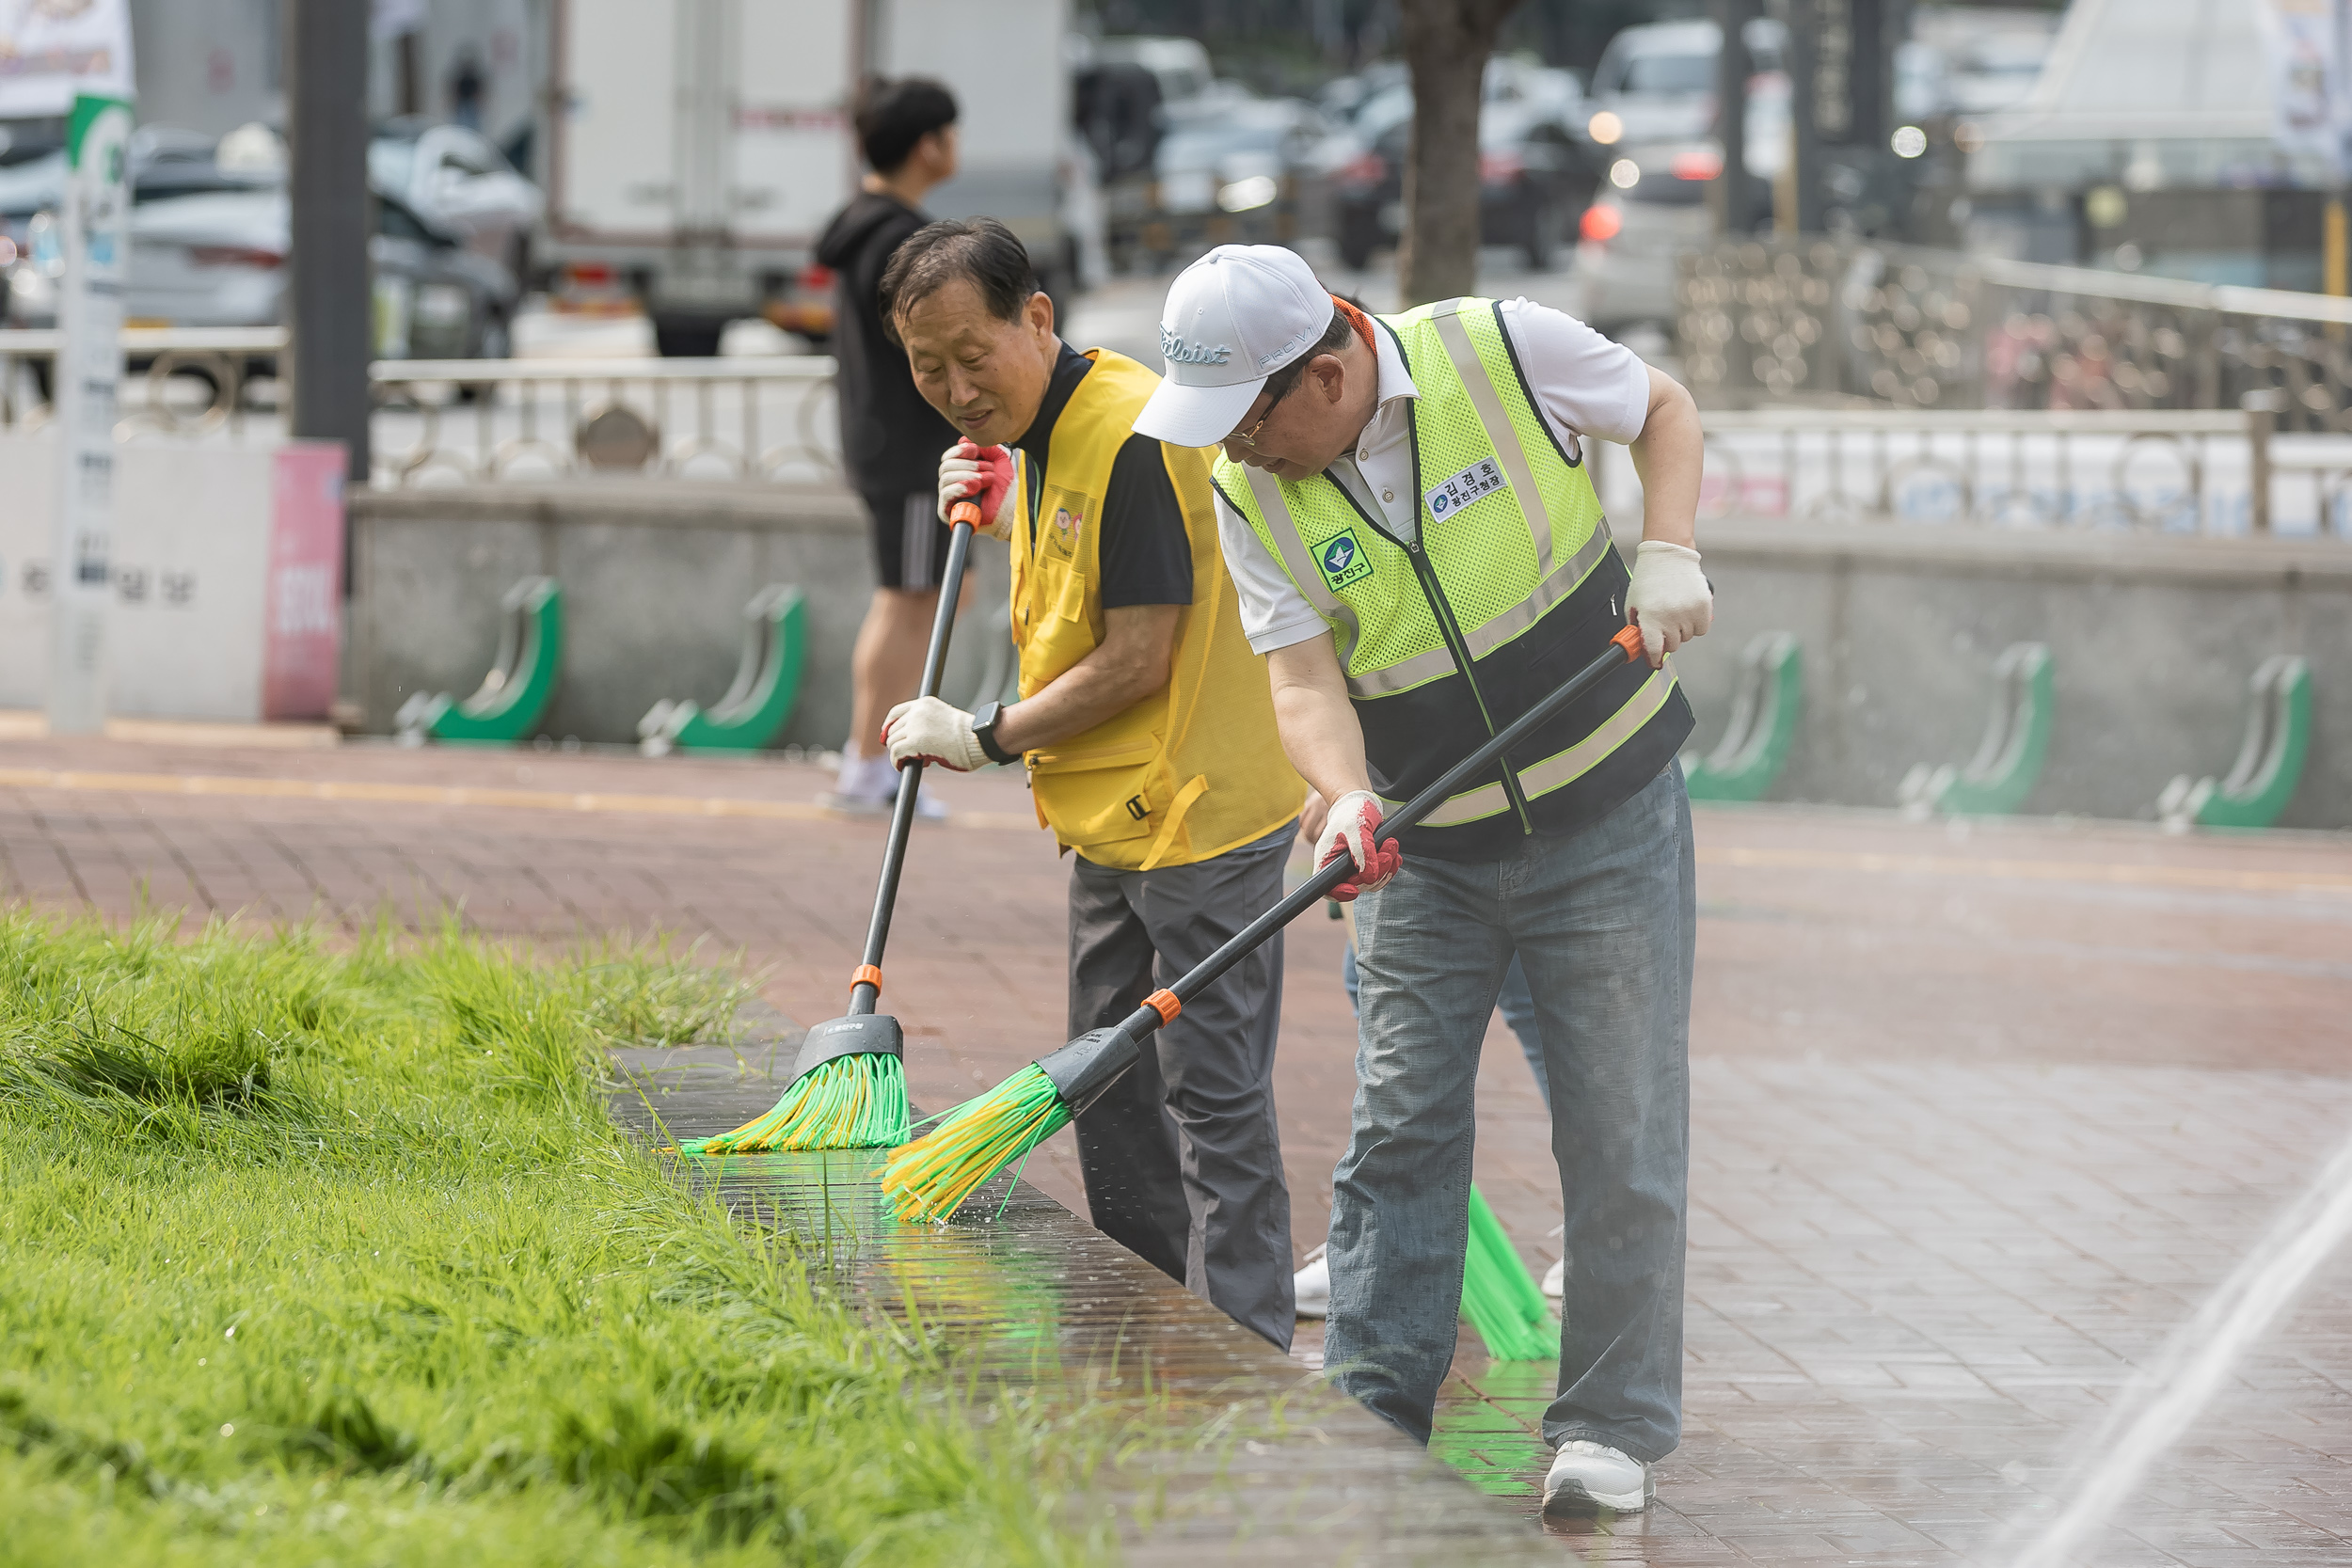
[[1182, 1158], [1602, 922]]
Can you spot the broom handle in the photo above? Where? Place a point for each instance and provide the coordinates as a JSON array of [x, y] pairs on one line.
[[866, 994], [1624, 647]]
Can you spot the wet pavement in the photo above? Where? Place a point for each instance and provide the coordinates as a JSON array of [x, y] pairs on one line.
[[1978, 1117], [1223, 1446]]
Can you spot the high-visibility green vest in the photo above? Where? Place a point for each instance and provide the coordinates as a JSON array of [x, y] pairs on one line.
[[1509, 587]]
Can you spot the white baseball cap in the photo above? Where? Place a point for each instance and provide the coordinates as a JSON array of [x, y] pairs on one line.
[[1233, 318]]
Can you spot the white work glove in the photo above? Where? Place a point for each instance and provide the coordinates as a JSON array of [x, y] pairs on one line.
[[982, 474], [930, 730], [1353, 830], [1668, 598]]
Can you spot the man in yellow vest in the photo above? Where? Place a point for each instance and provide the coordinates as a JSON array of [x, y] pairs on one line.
[[1407, 515], [1148, 731]]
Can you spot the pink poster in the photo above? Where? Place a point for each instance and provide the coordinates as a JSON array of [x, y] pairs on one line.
[[303, 643]]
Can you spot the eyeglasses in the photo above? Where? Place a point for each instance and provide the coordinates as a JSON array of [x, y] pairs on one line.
[[1250, 437]]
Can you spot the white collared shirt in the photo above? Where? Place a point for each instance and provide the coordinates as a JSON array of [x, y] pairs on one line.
[[1584, 386]]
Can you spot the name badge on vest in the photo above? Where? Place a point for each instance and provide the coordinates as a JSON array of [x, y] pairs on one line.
[[1477, 482]]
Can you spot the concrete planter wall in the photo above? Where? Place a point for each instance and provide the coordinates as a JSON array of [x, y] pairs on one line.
[[2153, 640], [655, 581]]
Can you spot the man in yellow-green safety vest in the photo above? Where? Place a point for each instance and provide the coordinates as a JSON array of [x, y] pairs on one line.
[[1407, 513], [1147, 730]]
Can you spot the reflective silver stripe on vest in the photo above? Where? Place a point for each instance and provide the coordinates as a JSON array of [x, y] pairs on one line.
[[1502, 434], [1484, 640], [1561, 768], [1268, 492]]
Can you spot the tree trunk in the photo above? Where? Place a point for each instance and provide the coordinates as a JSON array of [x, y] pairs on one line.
[[1446, 42]]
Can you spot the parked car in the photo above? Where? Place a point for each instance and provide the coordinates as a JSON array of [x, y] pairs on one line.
[[1246, 175], [1656, 84], [1652, 207], [1533, 177], [209, 245], [459, 184]]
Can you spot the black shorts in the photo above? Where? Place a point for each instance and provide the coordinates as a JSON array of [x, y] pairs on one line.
[[910, 541]]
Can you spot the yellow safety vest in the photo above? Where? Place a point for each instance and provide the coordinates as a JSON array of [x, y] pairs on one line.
[[1197, 768]]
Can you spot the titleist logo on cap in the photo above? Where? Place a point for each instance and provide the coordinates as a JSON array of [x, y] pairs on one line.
[[1178, 352]]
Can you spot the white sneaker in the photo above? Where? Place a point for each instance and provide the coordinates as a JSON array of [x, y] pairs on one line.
[[1586, 1476], [1556, 1279], [1312, 1286]]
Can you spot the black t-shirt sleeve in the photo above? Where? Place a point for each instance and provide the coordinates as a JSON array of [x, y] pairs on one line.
[[1146, 556]]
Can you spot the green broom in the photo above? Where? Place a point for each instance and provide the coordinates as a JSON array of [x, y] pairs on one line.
[[849, 1087], [1499, 1297], [930, 1178]]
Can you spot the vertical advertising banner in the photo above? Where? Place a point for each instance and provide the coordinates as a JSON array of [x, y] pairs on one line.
[[2311, 109], [89, 370], [52, 50], [303, 607]]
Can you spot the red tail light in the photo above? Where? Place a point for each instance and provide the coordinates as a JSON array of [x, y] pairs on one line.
[[234, 256], [1602, 223], [816, 278], [1365, 168], [589, 275], [1701, 164], [1500, 168]]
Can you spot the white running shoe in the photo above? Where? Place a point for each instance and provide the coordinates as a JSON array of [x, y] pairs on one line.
[[1312, 1286], [1587, 1476], [1556, 1279]]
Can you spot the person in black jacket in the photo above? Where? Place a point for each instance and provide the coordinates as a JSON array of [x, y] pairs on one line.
[[890, 438]]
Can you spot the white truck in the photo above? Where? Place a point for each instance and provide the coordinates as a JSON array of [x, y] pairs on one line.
[[695, 148]]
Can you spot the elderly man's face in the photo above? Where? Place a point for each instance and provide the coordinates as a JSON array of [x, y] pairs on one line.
[[986, 374]]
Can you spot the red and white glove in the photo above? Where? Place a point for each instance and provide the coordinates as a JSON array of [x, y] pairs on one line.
[[930, 730], [1668, 598], [1353, 830], [982, 474]]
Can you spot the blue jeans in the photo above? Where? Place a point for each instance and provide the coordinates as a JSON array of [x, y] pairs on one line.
[[1518, 1011], [1603, 921]]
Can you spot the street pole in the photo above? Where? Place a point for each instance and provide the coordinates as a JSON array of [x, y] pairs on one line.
[[332, 299], [1735, 214], [89, 370]]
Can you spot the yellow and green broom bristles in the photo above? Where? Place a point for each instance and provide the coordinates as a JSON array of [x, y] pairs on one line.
[[929, 1179], [856, 1101], [1499, 1297]]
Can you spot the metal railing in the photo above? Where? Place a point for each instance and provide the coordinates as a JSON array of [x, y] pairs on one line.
[[1907, 327], [487, 421], [2170, 470], [479, 420]]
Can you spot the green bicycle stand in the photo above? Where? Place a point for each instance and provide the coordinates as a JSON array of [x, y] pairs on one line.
[[515, 694], [760, 703], [2008, 759], [2269, 762], [1763, 725]]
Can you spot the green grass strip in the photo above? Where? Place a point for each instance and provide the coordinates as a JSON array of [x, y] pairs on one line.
[[850, 1102], [1502, 1300], [312, 1255]]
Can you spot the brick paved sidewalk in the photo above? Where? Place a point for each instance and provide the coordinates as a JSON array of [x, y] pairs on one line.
[[1977, 1117]]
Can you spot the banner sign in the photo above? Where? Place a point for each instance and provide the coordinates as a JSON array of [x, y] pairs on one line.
[[54, 51], [2309, 51], [89, 370]]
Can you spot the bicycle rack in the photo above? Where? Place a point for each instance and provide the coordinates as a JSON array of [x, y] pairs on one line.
[[760, 703], [1764, 719], [2270, 761], [514, 695], [2008, 759]]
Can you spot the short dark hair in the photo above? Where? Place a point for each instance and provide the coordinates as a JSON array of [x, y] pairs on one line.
[[1334, 337], [892, 117], [979, 251]]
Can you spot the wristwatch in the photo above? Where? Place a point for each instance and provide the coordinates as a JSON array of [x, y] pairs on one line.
[[984, 719]]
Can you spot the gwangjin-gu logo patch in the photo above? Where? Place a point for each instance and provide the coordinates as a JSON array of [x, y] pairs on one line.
[[1342, 561], [1449, 496]]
